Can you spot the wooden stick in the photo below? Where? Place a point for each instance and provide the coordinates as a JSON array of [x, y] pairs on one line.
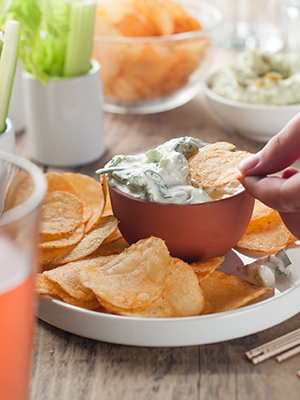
[[288, 354], [273, 352], [273, 343], [274, 347]]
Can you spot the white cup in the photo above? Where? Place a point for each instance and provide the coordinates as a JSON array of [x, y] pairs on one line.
[[8, 138], [250, 24], [65, 119]]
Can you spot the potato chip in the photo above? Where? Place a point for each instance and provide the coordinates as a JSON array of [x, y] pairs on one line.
[[48, 257], [90, 241], [134, 279], [135, 25], [216, 164], [224, 292], [182, 296], [44, 286], [108, 207], [182, 290], [159, 14], [61, 214], [260, 210], [67, 277], [69, 240], [91, 192], [19, 190], [115, 11], [267, 234], [183, 22], [87, 212], [117, 245], [56, 181], [116, 235], [101, 252], [204, 268]]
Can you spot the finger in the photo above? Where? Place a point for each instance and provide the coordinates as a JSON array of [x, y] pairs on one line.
[[281, 194], [287, 173], [279, 153]]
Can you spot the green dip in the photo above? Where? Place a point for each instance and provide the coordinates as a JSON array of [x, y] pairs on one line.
[[260, 78], [162, 175]]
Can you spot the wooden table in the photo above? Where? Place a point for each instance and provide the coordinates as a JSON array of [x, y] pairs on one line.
[[68, 367]]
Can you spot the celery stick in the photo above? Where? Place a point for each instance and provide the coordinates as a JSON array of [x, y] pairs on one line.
[[80, 38], [8, 63]]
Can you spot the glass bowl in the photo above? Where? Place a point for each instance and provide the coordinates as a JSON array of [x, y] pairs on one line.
[[144, 75]]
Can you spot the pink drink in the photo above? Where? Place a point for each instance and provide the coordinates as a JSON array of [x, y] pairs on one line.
[[16, 321]]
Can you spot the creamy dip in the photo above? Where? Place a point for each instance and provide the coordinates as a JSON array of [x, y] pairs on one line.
[[260, 78], [265, 270], [162, 174]]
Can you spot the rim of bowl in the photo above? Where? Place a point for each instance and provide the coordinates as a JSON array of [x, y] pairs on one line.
[[205, 204], [216, 13], [240, 104], [36, 197]]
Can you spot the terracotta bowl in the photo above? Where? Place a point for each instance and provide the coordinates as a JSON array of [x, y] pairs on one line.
[[191, 231]]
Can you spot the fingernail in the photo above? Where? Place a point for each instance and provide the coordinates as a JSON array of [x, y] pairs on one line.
[[249, 163]]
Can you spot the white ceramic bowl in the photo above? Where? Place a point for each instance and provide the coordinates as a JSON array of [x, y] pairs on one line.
[[255, 122]]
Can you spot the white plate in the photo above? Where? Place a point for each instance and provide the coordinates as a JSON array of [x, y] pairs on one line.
[[183, 331]]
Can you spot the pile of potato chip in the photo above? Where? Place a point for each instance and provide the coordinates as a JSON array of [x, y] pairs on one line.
[[74, 219], [146, 69], [145, 281]]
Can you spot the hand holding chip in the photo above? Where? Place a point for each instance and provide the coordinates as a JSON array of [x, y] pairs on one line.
[[281, 193]]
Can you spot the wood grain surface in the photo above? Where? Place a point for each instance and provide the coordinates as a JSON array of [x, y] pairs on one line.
[[68, 367]]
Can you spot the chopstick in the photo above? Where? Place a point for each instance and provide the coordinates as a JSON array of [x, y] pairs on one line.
[[283, 347]]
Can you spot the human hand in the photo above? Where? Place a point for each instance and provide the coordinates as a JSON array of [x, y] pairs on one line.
[[281, 193]]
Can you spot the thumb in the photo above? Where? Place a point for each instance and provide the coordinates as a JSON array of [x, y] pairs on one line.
[[279, 153], [282, 194]]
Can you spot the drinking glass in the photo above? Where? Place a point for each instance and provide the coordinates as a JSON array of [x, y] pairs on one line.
[[22, 189], [291, 12], [252, 24]]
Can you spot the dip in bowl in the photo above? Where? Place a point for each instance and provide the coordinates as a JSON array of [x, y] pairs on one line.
[[196, 223], [257, 95]]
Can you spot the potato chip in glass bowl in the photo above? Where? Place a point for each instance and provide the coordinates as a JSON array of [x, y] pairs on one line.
[[153, 53]]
